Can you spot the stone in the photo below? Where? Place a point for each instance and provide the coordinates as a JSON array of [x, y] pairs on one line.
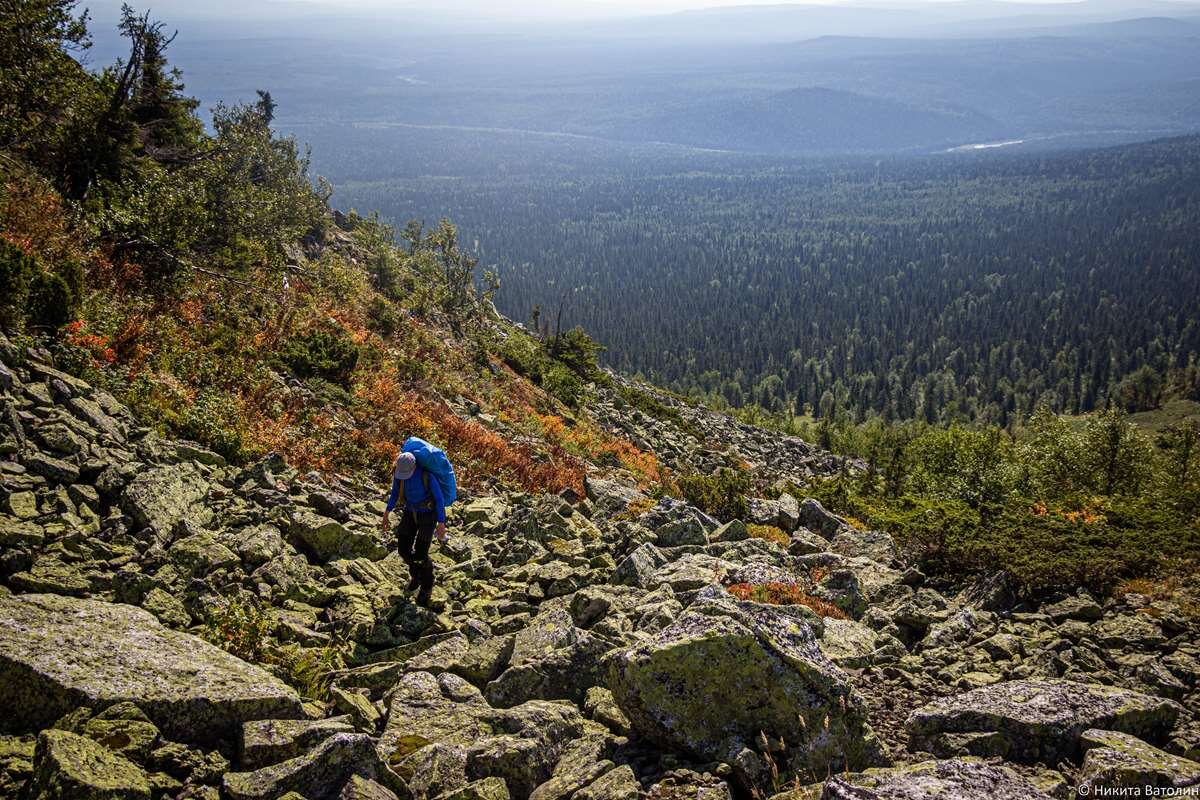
[[1112, 759], [954, 779], [847, 643], [200, 554], [448, 717], [326, 539], [1082, 608], [616, 784], [600, 705], [734, 531], [360, 788], [638, 568], [1043, 719], [804, 542], [1129, 630], [551, 659], [269, 741], [190, 689], [52, 469], [67, 766], [160, 498], [22, 505], [814, 517], [727, 672], [484, 789], [317, 775]]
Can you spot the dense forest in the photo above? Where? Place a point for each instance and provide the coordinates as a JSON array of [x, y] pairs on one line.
[[951, 288]]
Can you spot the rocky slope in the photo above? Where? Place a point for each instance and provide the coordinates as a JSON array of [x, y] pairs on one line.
[[586, 648]]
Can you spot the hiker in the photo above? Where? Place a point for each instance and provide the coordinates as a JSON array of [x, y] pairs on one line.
[[423, 514]]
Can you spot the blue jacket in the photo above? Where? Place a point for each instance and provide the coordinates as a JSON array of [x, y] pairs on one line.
[[415, 494]]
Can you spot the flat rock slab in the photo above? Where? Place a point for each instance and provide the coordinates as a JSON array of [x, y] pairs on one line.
[[71, 767], [60, 653], [1120, 760], [954, 779], [1043, 720]]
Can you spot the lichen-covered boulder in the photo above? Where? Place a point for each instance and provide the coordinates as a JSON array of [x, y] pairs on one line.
[[1113, 759], [727, 672], [60, 653], [318, 775], [441, 734], [847, 643], [954, 779], [269, 741], [1042, 719], [551, 660], [326, 539], [159, 498], [67, 766]]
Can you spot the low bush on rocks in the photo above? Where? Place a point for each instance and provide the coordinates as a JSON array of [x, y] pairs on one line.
[[242, 629], [784, 594], [722, 494], [768, 533]]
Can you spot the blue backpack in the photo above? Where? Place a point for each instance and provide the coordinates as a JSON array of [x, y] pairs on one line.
[[435, 463]]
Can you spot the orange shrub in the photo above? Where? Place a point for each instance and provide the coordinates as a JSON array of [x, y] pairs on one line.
[[784, 594]]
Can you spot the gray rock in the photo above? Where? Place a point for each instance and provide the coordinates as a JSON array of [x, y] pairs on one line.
[[1115, 759], [164, 496], [326, 539], [955, 779], [727, 672], [1043, 719], [67, 766], [269, 741], [59, 653], [318, 775], [1082, 608], [814, 517]]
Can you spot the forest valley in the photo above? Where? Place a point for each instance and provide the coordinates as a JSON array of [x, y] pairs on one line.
[[206, 372]]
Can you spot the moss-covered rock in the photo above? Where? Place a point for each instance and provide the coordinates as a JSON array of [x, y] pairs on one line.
[[319, 774], [728, 672], [72, 767], [1114, 759], [59, 653], [159, 498], [954, 779], [1042, 719]]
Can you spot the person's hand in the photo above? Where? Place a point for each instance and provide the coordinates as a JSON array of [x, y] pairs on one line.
[[383, 524], [441, 532]]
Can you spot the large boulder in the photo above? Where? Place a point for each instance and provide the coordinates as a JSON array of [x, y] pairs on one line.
[[955, 779], [326, 539], [1042, 720], [441, 734], [161, 497], [67, 766], [319, 774], [727, 673], [1115, 759], [59, 653]]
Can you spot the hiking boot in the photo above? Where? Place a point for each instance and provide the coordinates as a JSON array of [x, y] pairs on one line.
[[424, 598], [413, 583]]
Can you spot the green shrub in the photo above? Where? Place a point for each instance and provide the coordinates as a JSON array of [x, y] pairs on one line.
[[383, 317], [327, 352], [652, 407], [17, 269], [50, 302], [212, 421], [722, 494], [563, 384]]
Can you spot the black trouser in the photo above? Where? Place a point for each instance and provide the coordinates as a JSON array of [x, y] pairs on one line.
[[415, 534]]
